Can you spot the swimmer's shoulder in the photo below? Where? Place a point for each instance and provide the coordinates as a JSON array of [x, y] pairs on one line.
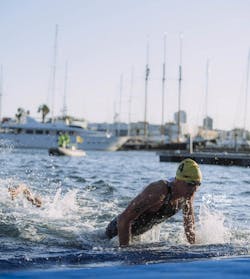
[[160, 185]]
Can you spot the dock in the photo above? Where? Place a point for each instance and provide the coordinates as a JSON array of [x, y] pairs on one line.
[[211, 158]]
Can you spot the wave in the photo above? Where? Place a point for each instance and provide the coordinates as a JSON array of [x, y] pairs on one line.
[[246, 193], [143, 254], [77, 178], [101, 187]]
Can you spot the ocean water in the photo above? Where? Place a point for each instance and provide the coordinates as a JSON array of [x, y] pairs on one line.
[[81, 195]]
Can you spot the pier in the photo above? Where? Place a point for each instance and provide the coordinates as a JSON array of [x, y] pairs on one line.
[[211, 158]]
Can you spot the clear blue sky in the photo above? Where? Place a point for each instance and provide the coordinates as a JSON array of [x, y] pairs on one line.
[[102, 39]]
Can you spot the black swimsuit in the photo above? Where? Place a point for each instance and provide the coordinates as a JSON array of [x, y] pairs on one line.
[[147, 220]]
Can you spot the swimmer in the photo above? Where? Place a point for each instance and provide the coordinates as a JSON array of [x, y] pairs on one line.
[[159, 201], [23, 189]]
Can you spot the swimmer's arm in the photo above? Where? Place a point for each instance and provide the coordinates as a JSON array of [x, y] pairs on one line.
[[131, 213], [14, 192], [22, 188], [189, 222], [146, 200]]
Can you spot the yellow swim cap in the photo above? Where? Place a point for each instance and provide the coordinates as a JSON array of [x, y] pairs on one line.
[[189, 171]]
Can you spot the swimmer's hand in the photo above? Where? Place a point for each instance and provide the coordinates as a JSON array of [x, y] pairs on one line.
[[14, 192], [22, 188]]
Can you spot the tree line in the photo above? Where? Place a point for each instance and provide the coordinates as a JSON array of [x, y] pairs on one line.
[[43, 109]]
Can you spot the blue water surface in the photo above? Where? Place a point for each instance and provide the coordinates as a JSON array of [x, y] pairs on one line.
[[217, 268], [65, 237]]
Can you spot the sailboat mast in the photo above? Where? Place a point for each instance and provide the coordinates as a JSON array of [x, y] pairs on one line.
[[54, 74], [246, 94], [130, 100], [163, 85], [64, 110], [120, 104], [146, 92], [179, 91], [206, 95], [1, 91]]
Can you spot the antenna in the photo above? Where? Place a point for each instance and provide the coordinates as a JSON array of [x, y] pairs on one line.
[[54, 74], [179, 89], [146, 92], [163, 84]]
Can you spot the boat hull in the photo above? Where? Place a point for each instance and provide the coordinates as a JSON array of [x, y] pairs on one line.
[[60, 151]]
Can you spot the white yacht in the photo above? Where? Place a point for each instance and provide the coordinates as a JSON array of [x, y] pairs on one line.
[[30, 133]]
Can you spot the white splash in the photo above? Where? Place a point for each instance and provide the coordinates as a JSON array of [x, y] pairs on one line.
[[152, 235], [211, 228], [29, 232], [61, 205]]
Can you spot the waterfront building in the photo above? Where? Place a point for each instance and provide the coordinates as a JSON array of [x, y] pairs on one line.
[[208, 123], [183, 116]]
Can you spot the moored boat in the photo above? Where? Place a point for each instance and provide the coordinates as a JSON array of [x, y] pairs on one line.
[[30, 133]]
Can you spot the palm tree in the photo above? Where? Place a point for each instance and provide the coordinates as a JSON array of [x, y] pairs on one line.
[[45, 110], [20, 113]]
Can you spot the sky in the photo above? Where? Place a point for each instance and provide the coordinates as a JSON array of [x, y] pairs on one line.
[[106, 45]]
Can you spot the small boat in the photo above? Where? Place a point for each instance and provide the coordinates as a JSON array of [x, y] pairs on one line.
[[67, 151]]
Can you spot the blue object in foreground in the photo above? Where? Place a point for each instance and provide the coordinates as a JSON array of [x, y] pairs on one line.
[[217, 268]]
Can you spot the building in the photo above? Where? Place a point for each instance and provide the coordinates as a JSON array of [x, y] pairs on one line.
[[183, 117], [171, 131], [208, 123], [206, 134]]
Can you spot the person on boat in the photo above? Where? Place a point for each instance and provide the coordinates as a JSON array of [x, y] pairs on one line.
[[159, 201], [23, 189], [63, 140]]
